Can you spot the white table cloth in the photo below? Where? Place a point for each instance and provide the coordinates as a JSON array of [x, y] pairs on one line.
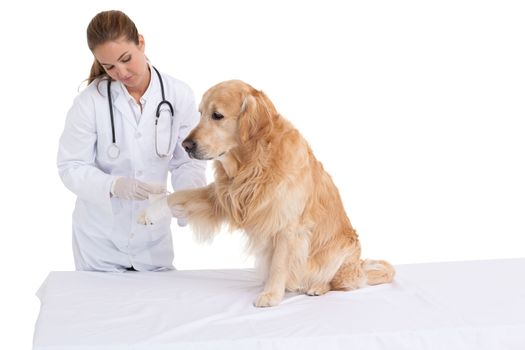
[[474, 305]]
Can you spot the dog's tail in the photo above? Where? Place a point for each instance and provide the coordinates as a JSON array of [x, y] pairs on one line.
[[378, 271]]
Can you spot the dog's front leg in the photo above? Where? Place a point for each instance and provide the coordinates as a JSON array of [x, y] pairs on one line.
[[198, 205], [201, 208], [276, 283]]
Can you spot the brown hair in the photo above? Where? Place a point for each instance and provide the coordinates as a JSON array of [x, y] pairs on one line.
[[108, 26]]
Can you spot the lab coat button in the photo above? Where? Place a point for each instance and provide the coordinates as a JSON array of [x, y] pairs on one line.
[[139, 173], [138, 135]]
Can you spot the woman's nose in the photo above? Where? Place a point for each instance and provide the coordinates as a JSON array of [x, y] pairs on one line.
[[120, 75], [121, 72]]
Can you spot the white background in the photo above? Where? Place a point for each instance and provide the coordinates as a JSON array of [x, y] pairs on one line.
[[415, 108]]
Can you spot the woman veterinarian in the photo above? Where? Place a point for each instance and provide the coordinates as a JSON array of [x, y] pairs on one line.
[[122, 136]]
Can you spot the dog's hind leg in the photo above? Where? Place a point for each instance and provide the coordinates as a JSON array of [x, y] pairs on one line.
[[351, 274], [321, 269]]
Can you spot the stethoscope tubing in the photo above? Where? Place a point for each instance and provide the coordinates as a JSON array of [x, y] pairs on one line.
[[113, 150]]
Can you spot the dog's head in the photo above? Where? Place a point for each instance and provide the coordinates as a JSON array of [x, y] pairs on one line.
[[232, 113]]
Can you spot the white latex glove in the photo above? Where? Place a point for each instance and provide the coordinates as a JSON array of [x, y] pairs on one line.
[[126, 188]]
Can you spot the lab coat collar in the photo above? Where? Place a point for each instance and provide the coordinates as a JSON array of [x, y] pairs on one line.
[[121, 96], [146, 94]]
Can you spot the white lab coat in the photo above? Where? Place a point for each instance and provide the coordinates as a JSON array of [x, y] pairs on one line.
[[106, 236]]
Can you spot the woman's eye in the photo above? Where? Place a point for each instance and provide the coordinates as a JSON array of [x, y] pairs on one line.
[[127, 59], [216, 116]]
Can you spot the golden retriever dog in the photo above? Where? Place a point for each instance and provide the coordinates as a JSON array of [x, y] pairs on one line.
[[269, 184]]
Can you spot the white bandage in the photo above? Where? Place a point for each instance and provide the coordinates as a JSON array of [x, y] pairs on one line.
[[157, 210]]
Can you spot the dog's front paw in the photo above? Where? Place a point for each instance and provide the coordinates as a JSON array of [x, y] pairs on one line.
[[266, 299], [157, 211]]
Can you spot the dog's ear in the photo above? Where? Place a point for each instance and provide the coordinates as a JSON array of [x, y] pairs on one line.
[[256, 115], [247, 118]]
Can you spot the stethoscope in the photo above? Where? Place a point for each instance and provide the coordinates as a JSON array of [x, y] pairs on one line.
[[113, 149]]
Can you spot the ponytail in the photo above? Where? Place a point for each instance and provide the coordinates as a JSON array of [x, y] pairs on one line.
[[97, 71]]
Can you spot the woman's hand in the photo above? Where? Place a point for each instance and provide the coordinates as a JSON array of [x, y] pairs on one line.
[[127, 188]]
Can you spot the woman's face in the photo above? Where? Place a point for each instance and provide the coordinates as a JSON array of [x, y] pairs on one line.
[[124, 61]]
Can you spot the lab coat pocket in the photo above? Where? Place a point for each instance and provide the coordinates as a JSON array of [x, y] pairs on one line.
[[159, 230]]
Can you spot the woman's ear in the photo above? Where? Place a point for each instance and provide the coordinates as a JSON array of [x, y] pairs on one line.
[[142, 43]]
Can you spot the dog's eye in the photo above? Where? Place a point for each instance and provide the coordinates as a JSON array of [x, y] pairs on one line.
[[216, 116]]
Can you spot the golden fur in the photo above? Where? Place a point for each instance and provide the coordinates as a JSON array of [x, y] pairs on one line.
[[269, 184]]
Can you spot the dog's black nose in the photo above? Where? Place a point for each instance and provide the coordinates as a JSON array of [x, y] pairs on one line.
[[189, 145]]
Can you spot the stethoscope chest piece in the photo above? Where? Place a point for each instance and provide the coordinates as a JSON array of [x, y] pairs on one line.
[[113, 151]]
